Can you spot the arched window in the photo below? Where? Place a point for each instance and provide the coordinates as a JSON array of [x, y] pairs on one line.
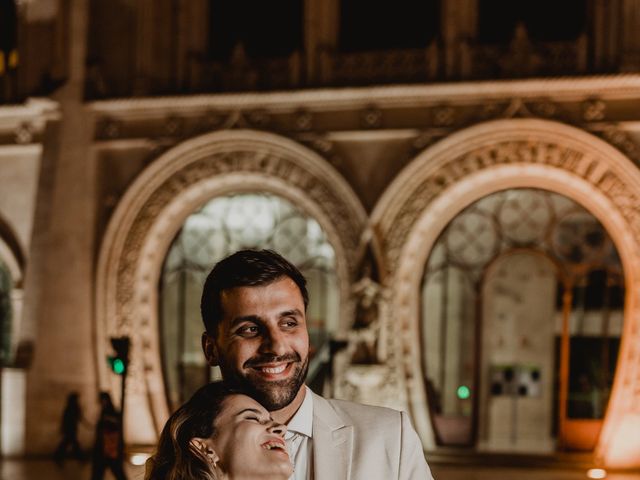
[[522, 308], [222, 226]]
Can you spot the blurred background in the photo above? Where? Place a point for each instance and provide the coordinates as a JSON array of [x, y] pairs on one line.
[[458, 180]]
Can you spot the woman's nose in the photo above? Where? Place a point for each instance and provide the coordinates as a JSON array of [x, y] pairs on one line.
[[277, 428]]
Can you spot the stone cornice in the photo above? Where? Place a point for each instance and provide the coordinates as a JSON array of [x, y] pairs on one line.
[[565, 89]]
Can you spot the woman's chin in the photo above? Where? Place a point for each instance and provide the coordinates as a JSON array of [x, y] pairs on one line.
[[284, 468]]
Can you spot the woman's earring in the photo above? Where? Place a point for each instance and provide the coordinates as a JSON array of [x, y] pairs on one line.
[[212, 458], [206, 451]]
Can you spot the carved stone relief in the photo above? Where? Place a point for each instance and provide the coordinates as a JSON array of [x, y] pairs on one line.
[[508, 152]]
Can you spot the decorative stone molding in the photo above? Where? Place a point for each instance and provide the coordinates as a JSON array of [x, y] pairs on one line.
[[155, 207], [371, 117], [380, 381], [593, 110], [622, 140], [24, 124], [493, 156], [441, 108]]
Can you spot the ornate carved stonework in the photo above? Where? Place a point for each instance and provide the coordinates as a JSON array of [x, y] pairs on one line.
[[493, 156], [155, 207], [371, 117], [593, 109], [622, 140], [24, 133], [508, 152], [24, 124]]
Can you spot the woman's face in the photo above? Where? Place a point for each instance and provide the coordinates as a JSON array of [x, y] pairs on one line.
[[248, 442]]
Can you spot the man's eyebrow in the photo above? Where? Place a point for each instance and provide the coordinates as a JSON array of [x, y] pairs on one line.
[[245, 318], [292, 312], [258, 320]]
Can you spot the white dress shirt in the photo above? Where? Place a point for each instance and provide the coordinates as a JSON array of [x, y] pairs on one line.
[[299, 438]]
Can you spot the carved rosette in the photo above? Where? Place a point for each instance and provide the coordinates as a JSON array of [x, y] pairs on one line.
[[493, 156], [155, 207]]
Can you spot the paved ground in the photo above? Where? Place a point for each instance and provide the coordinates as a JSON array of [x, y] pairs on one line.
[[473, 473], [47, 470]]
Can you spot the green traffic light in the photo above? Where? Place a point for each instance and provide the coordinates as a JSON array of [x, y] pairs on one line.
[[464, 392], [118, 366]]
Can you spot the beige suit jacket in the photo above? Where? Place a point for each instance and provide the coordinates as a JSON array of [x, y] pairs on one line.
[[358, 442]]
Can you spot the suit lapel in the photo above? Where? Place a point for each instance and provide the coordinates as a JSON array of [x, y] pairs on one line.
[[332, 442]]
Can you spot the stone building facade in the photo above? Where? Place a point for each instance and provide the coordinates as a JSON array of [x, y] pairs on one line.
[[122, 119]]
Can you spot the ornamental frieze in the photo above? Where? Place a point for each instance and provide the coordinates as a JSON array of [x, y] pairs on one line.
[[509, 152]]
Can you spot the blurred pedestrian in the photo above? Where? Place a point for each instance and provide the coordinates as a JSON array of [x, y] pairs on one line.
[[71, 417], [108, 451]]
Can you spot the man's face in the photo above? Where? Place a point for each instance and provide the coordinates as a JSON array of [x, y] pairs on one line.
[[262, 345]]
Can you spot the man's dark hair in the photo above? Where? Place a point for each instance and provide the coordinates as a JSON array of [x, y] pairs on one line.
[[245, 268]]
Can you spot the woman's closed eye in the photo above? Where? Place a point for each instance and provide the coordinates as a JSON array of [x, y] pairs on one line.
[[258, 419]]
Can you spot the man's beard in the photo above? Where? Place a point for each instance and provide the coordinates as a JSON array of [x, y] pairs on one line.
[[272, 395]]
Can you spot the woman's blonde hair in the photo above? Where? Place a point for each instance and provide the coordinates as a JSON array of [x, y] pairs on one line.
[[175, 457]]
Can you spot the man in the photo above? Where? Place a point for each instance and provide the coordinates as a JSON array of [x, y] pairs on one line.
[[253, 307]]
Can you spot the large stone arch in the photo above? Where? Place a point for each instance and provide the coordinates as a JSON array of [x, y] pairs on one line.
[[156, 206], [493, 156]]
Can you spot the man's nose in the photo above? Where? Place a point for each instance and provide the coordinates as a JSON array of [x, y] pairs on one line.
[[274, 342]]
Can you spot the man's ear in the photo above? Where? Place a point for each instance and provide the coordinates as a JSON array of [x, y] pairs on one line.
[[210, 349]]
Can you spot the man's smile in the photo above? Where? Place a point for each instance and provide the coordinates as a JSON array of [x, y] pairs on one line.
[[273, 368]]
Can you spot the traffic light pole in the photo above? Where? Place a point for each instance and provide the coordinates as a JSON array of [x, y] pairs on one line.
[[120, 365], [123, 387]]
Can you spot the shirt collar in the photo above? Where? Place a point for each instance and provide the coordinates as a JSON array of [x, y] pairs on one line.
[[302, 421]]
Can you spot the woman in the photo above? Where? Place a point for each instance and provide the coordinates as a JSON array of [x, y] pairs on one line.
[[221, 435]]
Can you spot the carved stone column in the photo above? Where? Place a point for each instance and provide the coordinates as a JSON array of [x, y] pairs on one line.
[[192, 41], [459, 20], [605, 43], [58, 294], [321, 30], [630, 54], [144, 46]]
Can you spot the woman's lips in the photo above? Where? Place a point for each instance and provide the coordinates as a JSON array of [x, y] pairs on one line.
[[276, 444]]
